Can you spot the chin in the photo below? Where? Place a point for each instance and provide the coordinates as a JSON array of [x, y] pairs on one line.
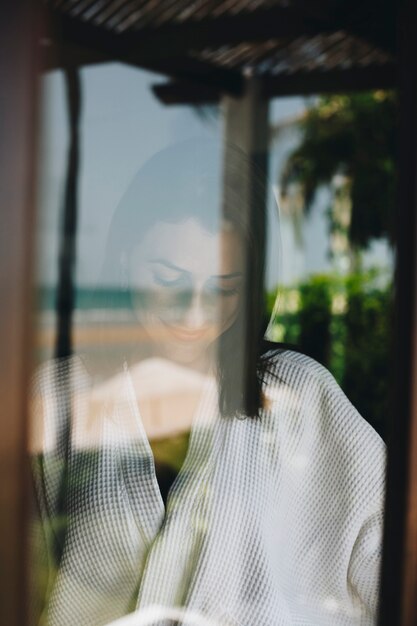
[[185, 353]]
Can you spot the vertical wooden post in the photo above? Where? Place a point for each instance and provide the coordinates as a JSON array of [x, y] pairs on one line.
[[66, 288], [67, 253], [399, 575], [19, 41], [245, 159], [246, 125]]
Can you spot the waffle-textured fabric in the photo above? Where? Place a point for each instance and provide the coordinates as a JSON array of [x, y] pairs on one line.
[[271, 522]]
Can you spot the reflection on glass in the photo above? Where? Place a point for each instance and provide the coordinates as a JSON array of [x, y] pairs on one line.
[[209, 476]]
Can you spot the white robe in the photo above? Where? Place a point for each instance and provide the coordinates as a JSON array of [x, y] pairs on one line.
[[271, 521]]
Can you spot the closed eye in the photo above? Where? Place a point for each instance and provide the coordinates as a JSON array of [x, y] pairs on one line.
[[225, 292], [167, 274], [169, 282], [215, 286]]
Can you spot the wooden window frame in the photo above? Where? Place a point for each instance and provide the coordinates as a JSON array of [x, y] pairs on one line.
[[19, 46], [19, 43]]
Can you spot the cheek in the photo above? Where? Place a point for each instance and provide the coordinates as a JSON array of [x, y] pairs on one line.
[[162, 306], [229, 311], [151, 306], [147, 297]]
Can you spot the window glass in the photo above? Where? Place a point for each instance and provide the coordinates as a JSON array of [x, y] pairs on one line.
[[209, 397]]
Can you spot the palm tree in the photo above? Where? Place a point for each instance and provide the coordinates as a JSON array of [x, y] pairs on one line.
[[347, 142]]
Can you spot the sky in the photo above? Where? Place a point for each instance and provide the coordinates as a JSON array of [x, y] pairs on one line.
[[122, 126]]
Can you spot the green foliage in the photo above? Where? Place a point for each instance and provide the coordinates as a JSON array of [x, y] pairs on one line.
[[315, 317], [354, 135], [345, 323], [368, 373]]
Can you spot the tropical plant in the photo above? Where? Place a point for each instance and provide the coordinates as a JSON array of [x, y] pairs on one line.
[[352, 136]]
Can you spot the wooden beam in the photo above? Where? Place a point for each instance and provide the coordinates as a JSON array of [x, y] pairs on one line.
[[305, 83], [333, 81], [93, 44], [52, 55], [19, 34], [185, 93]]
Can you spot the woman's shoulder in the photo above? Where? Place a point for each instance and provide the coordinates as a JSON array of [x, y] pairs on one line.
[[287, 364], [309, 405], [293, 374]]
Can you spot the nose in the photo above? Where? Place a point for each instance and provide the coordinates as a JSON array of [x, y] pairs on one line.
[[196, 317]]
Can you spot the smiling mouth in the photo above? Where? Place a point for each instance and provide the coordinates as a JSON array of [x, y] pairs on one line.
[[187, 335], [184, 334]]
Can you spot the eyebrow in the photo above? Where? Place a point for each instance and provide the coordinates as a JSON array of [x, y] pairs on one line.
[[183, 271]]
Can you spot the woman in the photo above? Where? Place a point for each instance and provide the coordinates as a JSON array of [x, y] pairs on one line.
[[275, 514]]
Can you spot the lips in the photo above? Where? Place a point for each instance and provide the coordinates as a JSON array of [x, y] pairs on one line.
[[183, 334]]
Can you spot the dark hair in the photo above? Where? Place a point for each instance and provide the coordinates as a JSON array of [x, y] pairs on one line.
[[192, 179]]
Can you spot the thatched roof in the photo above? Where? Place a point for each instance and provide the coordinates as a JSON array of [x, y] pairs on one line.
[[207, 47]]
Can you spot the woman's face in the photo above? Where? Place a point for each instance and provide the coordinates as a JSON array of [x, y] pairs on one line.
[[187, 286]]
